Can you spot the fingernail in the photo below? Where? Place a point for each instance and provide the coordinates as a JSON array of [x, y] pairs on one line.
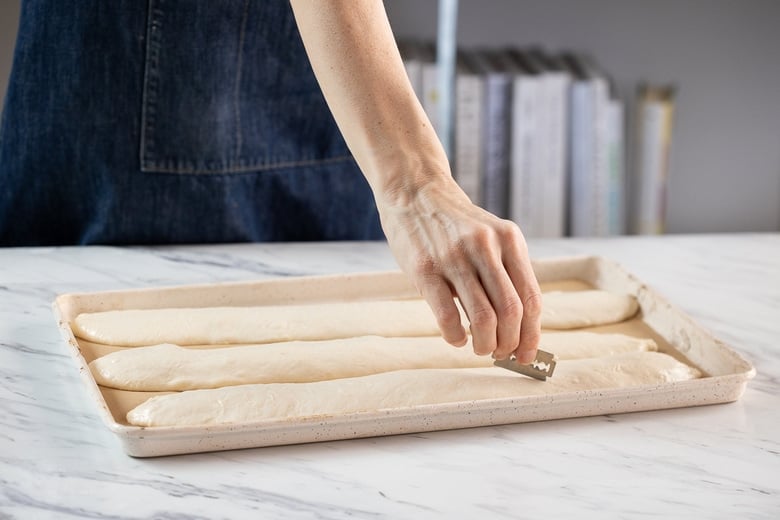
[[526, 357]]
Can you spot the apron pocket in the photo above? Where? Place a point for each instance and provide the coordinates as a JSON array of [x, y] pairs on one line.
[[228, 88]]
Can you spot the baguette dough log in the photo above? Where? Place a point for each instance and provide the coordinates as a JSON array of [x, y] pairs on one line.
[[399, 389], [268, 324], [573, 310], [169, 367]]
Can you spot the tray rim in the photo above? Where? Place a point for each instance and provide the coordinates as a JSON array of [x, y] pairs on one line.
[[128, 434]]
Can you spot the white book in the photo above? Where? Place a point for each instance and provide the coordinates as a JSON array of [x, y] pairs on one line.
[[555, 185], [656, 108], [589, 169], [469, 105], [553, 139], [496, 133], [527, 150], [600, 189], [523, 199], [582, 142], [616, 140]]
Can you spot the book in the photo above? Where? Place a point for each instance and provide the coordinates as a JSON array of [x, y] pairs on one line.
[[495, 67], [552, 142], [588, 149], [654, 120], [469, 108], [526, 170], [616, 157]]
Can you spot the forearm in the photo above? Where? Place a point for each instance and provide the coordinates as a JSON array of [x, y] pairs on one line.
[[441, 240], [356, 61]]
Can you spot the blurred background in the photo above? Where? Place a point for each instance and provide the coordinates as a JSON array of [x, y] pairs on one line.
[[720, 55]]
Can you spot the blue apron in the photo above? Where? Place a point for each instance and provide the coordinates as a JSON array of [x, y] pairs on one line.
[[171, 121]]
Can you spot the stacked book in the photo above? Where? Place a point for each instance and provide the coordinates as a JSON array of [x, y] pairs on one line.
[[539, 138]]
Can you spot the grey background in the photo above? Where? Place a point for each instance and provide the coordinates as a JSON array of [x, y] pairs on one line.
[[722, 55]]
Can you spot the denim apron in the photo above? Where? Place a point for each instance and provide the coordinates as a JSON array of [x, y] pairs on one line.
[[171, 121]]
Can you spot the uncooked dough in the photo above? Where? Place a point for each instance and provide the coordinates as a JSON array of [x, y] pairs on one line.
[[577, 309], [169, 367], [267, 324], [583, 344], [399, 389]]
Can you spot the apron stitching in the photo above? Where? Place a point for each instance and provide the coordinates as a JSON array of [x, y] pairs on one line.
[[166, 168]]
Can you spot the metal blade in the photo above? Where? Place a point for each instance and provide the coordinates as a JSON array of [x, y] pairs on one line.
[[540, 368]]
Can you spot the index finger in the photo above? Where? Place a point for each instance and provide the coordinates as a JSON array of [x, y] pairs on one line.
[[518, 265]]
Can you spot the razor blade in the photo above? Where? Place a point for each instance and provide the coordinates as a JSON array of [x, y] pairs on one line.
[[540, 368]]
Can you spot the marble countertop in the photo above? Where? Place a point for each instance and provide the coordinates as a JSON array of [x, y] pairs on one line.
[[58, 460]]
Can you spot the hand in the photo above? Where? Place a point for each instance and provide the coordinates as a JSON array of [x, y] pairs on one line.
[[450, 247]]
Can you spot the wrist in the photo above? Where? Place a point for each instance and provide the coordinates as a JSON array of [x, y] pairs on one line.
[[400, 177]]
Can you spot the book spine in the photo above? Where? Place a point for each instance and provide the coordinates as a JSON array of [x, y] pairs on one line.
[[554, 179], [601, 165], [496, 143], [468, 129], [521, 200], [616, 127], [655, 128], [581, 147], [541, 155]]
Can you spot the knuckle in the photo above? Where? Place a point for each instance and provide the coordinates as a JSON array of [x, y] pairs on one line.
[[482, 237], [447, 316], [509, 232], [483, 317], [512, 308], [532, 307]]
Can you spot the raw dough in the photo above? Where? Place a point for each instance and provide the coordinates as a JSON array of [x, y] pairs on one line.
[[226, 325], [170, 367], [576, 309], [272, 323], [399, 389]]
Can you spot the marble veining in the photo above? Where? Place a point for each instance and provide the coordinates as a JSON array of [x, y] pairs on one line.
[[57, 459]]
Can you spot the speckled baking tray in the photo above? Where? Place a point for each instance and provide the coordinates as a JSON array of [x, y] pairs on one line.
[[725, 372]]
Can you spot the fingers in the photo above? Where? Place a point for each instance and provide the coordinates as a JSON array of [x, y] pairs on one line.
[[482, 317], [518, 266], [439, 297], [494, 299], [531, 329], [506, 304]]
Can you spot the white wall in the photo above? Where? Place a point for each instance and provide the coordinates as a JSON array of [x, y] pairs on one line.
[[722, 54]]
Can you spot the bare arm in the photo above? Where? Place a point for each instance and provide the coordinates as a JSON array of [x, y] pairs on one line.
[[446, 244]]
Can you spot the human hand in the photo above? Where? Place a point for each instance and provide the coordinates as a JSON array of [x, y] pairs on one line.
[[450, 247]]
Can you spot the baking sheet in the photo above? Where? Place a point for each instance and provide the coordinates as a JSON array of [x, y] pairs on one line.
[[726, 373]]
